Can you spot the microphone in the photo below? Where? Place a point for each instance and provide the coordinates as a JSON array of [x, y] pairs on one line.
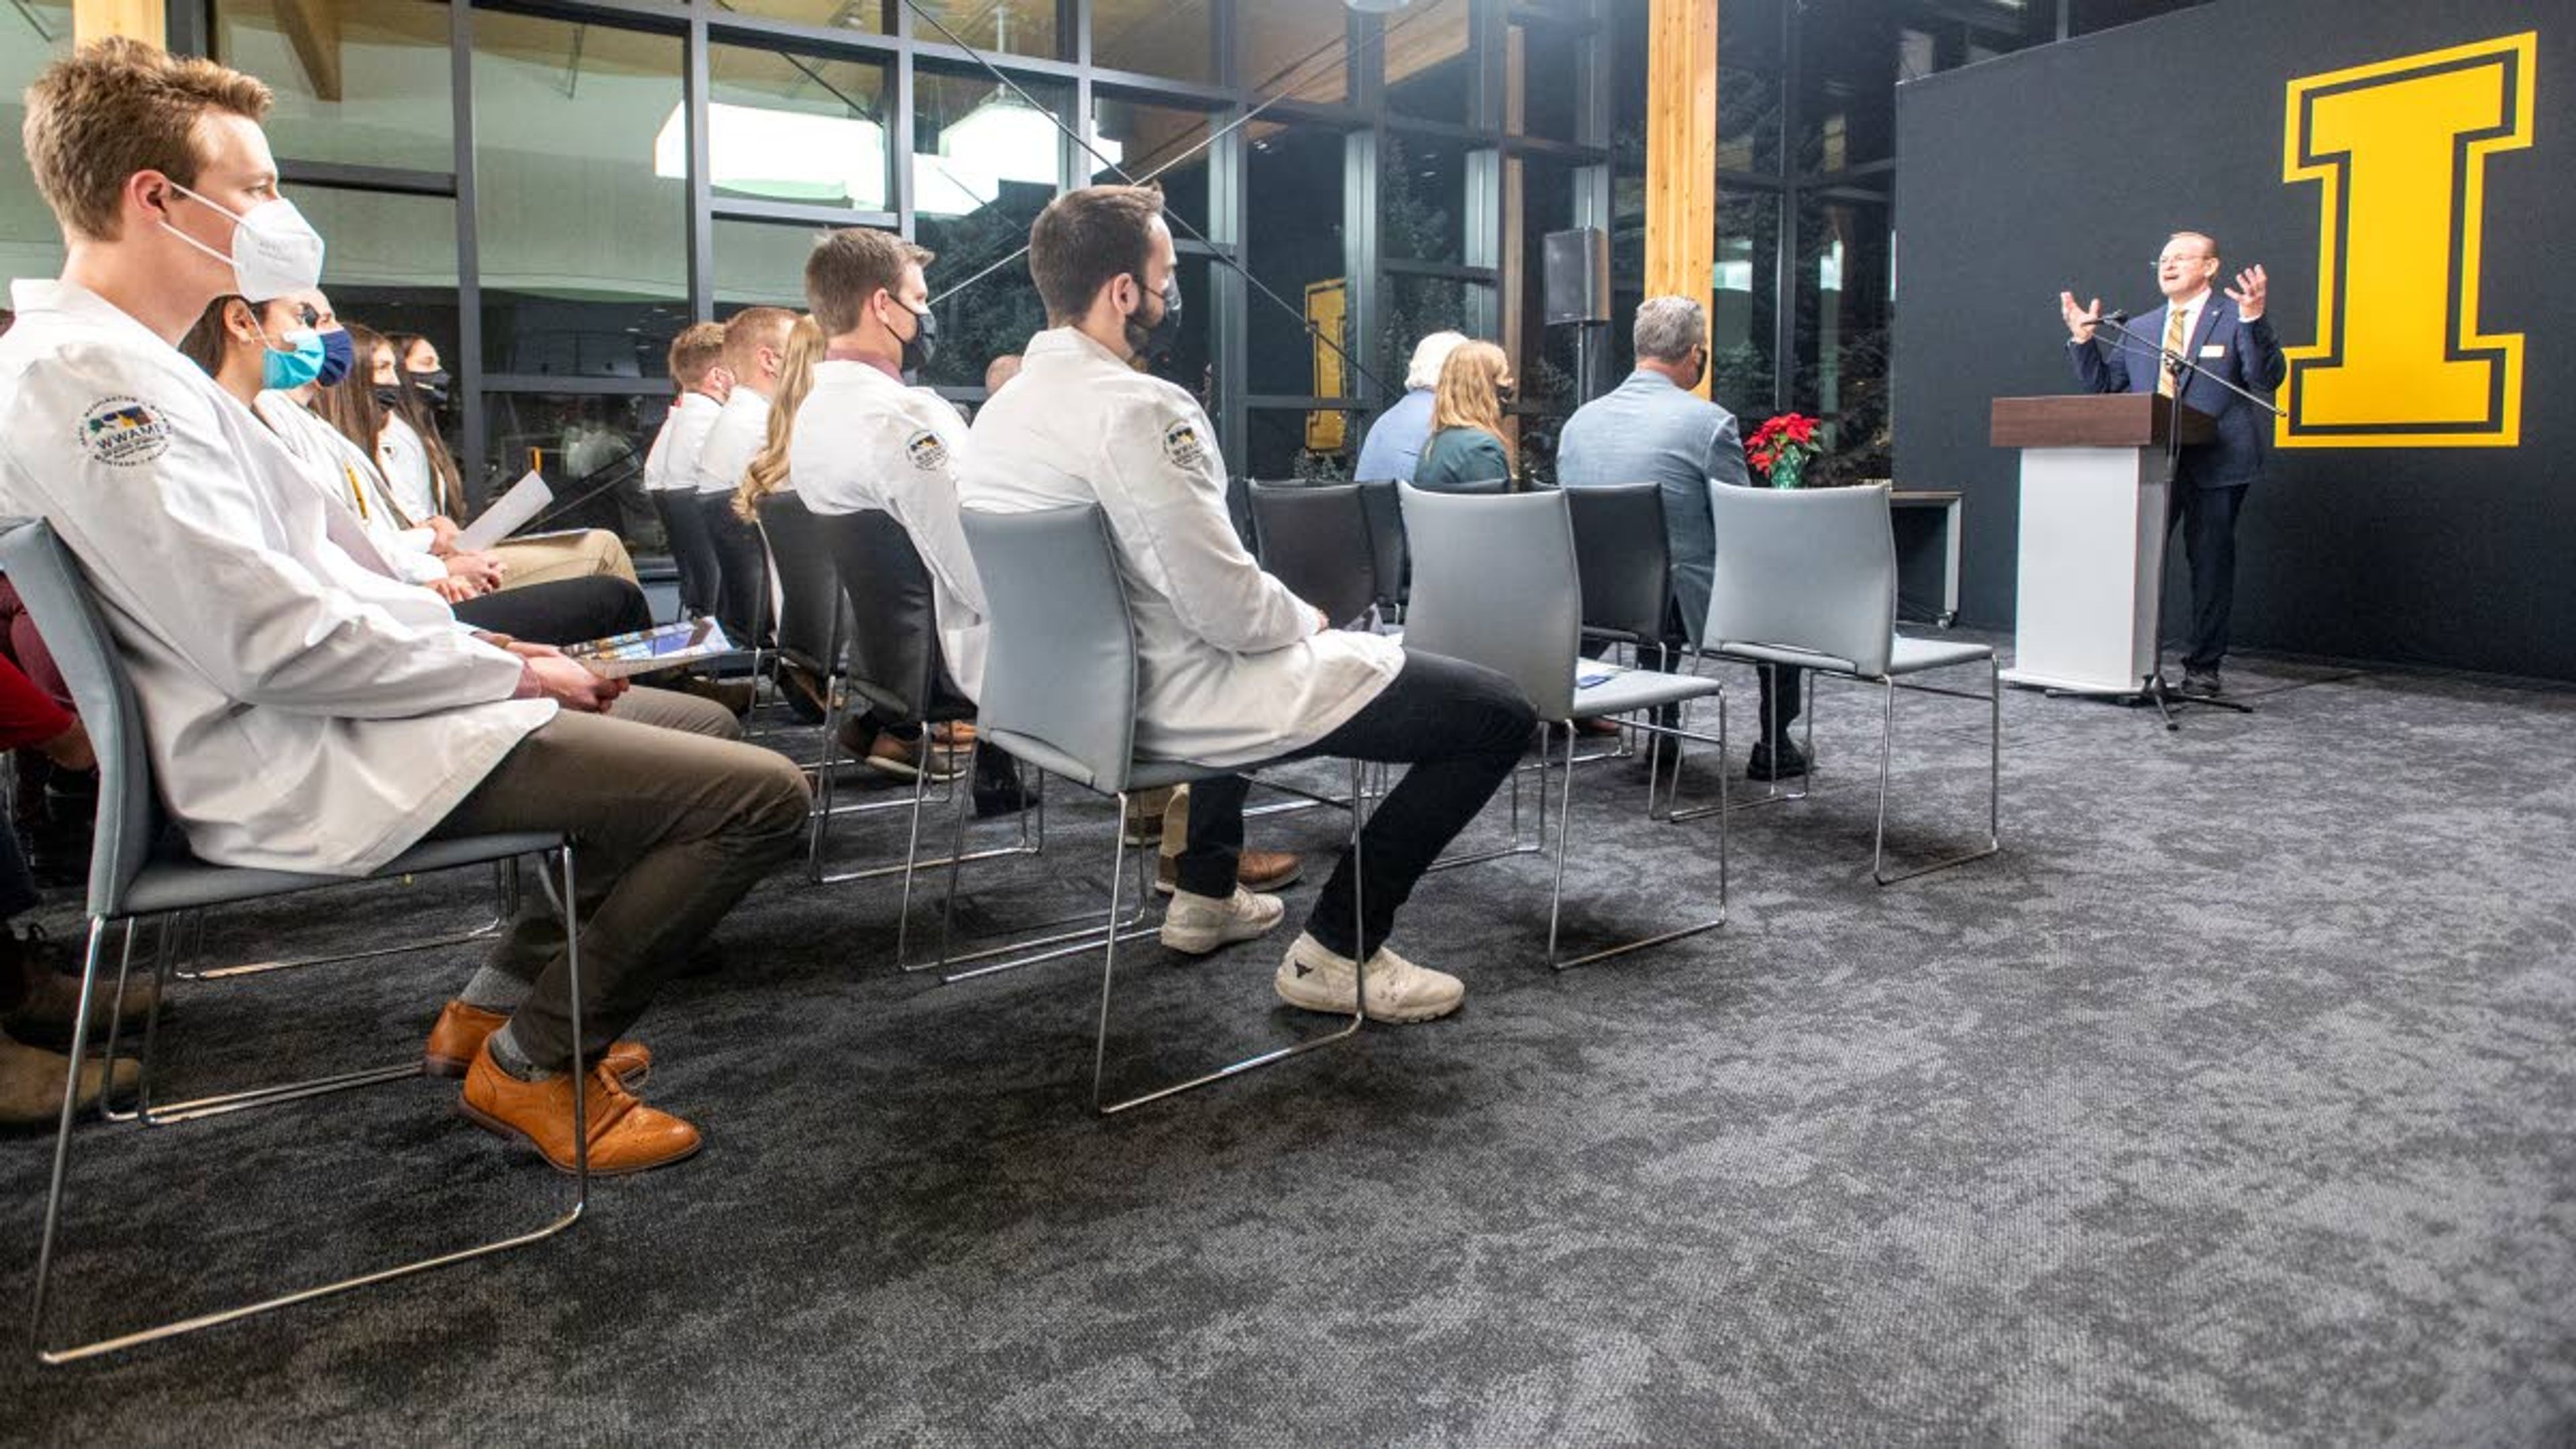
[[2114, 315]]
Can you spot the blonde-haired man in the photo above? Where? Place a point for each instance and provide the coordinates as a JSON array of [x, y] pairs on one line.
[[305, 713], [697, 370]]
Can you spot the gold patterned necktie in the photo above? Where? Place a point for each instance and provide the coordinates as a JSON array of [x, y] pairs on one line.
[[2165, 375]]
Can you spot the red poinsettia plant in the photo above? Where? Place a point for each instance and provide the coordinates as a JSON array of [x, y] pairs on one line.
[[1781, 448]]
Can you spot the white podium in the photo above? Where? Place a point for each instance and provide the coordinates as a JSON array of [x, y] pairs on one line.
[[2093, 500]]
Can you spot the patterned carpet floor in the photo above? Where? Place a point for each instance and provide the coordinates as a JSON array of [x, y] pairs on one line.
[[2231, 1104]]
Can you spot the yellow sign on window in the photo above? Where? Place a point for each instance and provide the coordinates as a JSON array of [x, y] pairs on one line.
[[1327, 311], [2400, 150]]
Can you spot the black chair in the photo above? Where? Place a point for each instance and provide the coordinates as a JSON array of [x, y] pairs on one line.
[[894, 669], [1316, 541], [1625, 561], [1238, 511], [1385, 512], [813, 614]]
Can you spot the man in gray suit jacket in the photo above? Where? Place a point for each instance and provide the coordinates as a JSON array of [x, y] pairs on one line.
[[1653, 429]]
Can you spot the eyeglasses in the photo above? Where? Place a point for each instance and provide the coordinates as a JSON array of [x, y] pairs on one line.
[[2163, 262]]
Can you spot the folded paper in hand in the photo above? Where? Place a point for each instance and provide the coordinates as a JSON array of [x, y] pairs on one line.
[[620, 655], [525, 498]]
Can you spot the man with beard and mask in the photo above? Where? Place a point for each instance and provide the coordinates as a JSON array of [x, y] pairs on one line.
[[306, 713], [1233, 670], [1653, 428]]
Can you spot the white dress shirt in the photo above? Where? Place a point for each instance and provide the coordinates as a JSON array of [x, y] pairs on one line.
[[739, 432], [1233, 668], [673, 462], [303, 713], [863, 440]]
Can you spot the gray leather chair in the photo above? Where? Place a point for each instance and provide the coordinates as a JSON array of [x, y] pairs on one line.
[[135, 878], [1494, 583], [1807, 577], [1060, 694]]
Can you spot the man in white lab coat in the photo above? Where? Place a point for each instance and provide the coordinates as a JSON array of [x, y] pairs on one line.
[[863, 440], [755, 349], [304, 713], [1233, 669], [671, 467]]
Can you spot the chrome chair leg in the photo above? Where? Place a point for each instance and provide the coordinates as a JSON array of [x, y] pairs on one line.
[[1565, 833], [1109, 972], [52, 1230], [1994, 783]]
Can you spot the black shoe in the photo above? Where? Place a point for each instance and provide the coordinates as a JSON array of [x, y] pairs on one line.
[[2200, 683], [807, 696], [1776, 760]]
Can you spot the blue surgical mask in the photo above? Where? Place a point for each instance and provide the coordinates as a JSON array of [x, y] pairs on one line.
[[339, 354], [299, 363]]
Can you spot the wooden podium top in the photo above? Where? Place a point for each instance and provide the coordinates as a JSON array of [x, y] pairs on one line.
[[2096, 420]]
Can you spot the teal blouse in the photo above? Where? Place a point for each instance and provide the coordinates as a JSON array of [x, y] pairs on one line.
[[1456, 457]]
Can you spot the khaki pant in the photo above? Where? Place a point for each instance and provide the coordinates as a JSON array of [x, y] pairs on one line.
[[573, 556], [673, 819]]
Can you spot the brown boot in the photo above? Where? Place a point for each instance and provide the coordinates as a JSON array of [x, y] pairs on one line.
[[31, 1084], [460, 1031], [1255, 870], [46, 999], [625, 1135]]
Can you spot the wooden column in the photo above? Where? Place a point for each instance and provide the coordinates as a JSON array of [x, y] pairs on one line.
[[141, 19], [1681, 151]]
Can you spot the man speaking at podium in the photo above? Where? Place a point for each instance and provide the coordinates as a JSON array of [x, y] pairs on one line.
[[2227, 336]]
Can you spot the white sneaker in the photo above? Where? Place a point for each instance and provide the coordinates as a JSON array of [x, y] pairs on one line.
[[1199, 924], [1398, 990]]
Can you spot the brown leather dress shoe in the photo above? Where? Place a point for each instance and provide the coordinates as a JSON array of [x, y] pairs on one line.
[[1254, 870], [461, 1030], [625, 1135]]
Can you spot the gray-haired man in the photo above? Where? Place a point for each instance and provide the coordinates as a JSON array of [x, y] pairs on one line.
[[1653, 429]]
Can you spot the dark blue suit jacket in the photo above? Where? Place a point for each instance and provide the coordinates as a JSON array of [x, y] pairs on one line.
[[2244, 353]]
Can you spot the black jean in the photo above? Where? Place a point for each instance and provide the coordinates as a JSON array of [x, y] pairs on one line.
[[692, 552], [2207, 517], [567, 611], [742, 598], [1461, 727]]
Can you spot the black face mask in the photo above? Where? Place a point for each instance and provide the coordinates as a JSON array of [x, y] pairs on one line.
[[923, 345], [433, 386], [1156, 339], [1697, 373], [389, 396]]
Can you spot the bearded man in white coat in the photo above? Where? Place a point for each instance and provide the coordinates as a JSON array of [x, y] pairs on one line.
[[1234, 670]]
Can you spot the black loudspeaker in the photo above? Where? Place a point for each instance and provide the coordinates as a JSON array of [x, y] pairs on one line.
[[1578, 275]]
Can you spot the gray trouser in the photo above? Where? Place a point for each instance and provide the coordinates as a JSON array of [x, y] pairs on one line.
[[673, 819]]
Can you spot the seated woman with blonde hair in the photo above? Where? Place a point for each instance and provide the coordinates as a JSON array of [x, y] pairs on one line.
[[1467, 447]]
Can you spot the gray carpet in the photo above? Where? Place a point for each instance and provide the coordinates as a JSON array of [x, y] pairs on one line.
[[2230, 1104]]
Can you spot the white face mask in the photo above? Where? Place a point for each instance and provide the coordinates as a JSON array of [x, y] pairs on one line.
[[275, 250]]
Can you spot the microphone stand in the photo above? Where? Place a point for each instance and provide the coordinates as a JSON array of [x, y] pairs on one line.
[[2154, 689]]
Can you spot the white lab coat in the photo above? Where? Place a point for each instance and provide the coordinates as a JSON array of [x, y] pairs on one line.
[[863, 440], [350, 486], [1233, 668], [673, 462], [740, 431], [302, 712], [405, 461]]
